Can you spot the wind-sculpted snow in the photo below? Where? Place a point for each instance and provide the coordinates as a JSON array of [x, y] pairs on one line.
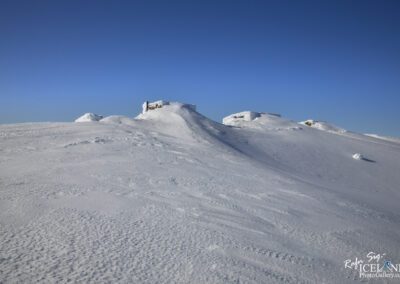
[[173, 197]]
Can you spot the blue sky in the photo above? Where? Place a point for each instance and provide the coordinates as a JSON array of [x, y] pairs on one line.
[[337, 61]]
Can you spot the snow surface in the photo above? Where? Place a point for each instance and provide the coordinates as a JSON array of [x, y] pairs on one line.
[[392, 139], [173, 197], [89, 117]]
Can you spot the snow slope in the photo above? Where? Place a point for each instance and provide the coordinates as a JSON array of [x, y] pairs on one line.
[[391, 139], [173, 197]]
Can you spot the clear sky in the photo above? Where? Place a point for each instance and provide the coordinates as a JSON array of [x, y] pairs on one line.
[[337, 61]]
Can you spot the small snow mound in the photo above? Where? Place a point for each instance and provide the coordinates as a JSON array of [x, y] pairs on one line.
[[89, 117], [322, 125], [240, 116], [358, 156]]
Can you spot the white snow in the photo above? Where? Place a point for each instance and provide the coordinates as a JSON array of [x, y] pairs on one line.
[[173, 197], [89, 117], [358, 156]]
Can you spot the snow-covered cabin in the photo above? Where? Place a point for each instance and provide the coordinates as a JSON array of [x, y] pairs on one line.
[[151, 106], [89, 117], [245, 116], [241, 116]]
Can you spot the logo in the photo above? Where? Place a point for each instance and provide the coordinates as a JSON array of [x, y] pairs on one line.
[[376, 265]]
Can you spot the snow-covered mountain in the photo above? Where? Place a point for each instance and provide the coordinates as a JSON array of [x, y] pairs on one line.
[[173, 197]]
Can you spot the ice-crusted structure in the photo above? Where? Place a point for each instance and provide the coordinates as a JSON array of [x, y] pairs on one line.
[[148, 106], [89, 117], [154, 105], [241, 116], [322, 125], [253, 119], [245, 116]]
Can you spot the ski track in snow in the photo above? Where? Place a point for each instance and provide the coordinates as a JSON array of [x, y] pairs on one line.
[[173, 197]]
